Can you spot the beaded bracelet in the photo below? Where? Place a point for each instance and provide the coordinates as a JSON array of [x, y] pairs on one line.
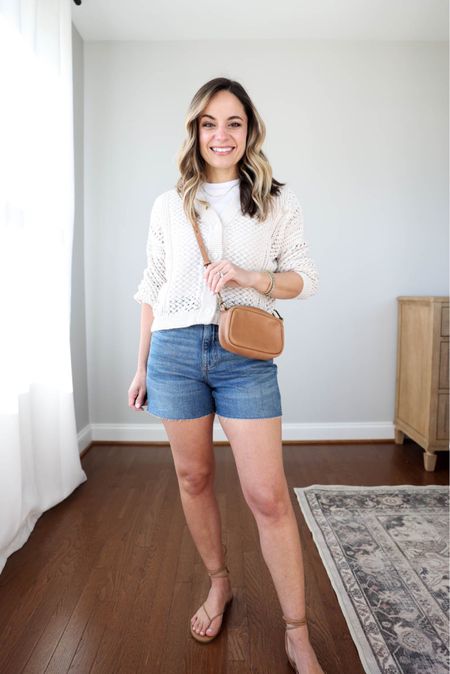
[[272, 283]]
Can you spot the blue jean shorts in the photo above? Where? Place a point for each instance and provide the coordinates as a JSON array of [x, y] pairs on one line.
[[190, 375]]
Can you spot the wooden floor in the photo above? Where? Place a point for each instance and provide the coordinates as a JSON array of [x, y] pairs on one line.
[[109, 578]]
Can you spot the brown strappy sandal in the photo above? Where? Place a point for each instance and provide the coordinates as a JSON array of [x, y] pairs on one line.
[[223, 571], [290, 625]]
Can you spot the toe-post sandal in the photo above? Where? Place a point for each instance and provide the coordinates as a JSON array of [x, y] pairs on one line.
[[217, 573]]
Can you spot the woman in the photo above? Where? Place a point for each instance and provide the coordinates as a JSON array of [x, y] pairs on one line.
[[252, 227]]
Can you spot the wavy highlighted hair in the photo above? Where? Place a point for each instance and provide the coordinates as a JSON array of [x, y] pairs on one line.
[[257, 185]]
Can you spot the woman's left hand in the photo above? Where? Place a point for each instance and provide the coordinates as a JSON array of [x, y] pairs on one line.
[[232, 275]]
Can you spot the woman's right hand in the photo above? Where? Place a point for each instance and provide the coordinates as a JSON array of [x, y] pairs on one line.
[[137, 393]]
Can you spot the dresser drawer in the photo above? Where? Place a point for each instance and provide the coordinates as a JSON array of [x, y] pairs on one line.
[[444, 321], [442, 417], [443, 365]]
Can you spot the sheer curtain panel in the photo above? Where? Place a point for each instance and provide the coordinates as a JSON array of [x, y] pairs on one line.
[[39, 457]]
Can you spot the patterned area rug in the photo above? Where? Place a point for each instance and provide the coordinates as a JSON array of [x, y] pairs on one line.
[[386, 551]]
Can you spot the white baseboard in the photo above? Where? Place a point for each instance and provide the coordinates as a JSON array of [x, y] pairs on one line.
[[84, 438], [301, 432]]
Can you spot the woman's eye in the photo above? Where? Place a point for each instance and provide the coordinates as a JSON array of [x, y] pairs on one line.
[[210, 124]]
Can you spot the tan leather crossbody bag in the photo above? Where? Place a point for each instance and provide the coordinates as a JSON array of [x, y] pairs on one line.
[[246, 330]]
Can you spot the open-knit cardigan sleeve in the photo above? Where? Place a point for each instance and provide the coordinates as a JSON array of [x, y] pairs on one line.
[[294, 254], [154, 275]]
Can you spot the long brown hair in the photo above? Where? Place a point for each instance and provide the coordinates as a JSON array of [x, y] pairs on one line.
[[257, 185]]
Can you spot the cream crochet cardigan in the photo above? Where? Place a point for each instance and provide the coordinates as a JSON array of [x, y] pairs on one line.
[[173, 282]]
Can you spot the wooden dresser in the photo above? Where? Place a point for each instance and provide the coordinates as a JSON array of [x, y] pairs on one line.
[[422, 383]]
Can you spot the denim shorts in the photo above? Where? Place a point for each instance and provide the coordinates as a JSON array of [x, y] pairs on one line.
[[190, 375]]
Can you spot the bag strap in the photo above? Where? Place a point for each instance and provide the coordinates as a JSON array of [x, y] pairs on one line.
[[206, 260]]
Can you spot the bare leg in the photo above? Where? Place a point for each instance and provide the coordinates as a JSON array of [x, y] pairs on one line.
[[257, 448], [191, 442]]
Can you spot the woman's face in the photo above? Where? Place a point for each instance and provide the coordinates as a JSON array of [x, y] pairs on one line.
[[222, 135]]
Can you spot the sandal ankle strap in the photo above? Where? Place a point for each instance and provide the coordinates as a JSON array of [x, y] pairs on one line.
[[215, 574], [292, 623], [222, 568]]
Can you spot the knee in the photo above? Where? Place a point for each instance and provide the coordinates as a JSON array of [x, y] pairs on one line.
[[269, 503], [194, 482]]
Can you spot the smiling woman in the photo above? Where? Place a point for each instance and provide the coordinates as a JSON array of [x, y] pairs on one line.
[[252, 229], [223, 132], [227, 133]]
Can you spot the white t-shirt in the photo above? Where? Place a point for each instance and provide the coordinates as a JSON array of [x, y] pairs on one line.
[[219, 195]]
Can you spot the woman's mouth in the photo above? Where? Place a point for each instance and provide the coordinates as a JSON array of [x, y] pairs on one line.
[[223, 150]]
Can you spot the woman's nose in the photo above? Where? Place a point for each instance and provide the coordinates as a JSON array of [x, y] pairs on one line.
[[221, 133]]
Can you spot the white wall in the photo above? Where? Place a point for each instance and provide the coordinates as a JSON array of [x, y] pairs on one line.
[[359, 130]]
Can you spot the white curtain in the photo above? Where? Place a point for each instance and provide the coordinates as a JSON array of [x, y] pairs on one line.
[[39, 456]]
